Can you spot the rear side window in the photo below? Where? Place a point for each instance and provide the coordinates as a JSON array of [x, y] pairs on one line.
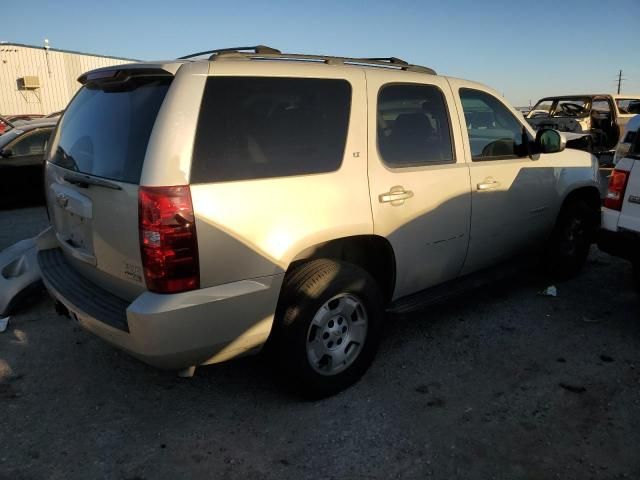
[[260, 127], [413, 126], [105, 129]]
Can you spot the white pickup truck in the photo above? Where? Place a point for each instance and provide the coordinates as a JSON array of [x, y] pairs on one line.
[[620, 233]]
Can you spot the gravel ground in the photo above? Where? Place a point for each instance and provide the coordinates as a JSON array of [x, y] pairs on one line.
[[503, 384]]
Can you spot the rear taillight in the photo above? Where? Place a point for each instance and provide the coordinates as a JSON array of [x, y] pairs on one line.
[[617, 187], [168, 242]]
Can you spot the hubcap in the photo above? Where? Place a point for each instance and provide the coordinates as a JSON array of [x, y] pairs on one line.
[[336, 334]]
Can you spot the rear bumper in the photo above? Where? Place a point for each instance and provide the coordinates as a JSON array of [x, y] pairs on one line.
[[169, 331]]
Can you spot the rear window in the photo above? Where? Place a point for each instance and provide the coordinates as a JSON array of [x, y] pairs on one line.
[[261, 127], [105, 130]]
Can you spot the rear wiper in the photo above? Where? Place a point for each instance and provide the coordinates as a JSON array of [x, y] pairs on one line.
[[83, 181]]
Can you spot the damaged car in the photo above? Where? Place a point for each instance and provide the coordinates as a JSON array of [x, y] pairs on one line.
[[599, 117]]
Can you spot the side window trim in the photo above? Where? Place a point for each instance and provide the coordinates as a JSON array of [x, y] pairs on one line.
[[449, 119], [494, 158], [206, 153]]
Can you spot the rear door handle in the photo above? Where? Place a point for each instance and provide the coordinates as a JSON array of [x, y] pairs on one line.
[[396, 196], [488, 183]]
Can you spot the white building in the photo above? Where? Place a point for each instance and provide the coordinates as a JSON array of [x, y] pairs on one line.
[[42, 79]]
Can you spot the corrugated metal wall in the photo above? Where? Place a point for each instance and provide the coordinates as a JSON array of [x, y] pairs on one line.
[[58, 72]]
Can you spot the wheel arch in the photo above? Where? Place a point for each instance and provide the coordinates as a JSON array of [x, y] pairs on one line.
[[590, 194], [372, 253]]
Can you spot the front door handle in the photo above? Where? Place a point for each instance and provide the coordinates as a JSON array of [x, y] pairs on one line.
[[488, 183], [396, 196]]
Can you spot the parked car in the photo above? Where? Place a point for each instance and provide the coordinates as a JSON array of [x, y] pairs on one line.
[[620, 234], [22, 165], [602, 116], [629, 135], [57, 114], [204, 208], [5, 125], [24, 116]]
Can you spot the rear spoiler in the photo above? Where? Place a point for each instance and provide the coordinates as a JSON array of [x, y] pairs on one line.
[[121, 73]]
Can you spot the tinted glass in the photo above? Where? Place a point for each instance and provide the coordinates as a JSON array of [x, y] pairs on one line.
[[105, 130], [31, 144], [494, 132], [259, 127], [634, 150], [413, 126]]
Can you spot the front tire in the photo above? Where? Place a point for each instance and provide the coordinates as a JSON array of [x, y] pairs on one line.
[[571, 239], [328, 328]]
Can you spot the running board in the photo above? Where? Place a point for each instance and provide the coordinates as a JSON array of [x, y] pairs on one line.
[[456, 287]]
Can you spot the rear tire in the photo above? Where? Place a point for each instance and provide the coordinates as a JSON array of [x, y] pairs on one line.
[[571, 239], [328, 327]]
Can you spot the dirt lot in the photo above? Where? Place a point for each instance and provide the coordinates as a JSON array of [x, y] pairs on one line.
[[504, 384]]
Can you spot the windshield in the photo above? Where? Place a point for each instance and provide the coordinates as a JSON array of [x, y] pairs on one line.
[[560, 107], [541, 109], [105, 130], [571, 107]]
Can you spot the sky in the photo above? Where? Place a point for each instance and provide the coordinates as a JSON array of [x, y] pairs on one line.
[[523, 49]]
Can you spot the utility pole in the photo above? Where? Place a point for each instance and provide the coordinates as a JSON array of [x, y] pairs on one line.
[[619, 81]]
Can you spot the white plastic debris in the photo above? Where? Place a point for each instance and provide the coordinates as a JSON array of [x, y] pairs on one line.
[[4, 322], [19, 270], [550, 291]]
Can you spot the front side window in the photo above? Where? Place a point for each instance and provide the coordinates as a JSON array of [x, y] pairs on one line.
[[413, 126], [31, 144], [494, 132], [263, 127]]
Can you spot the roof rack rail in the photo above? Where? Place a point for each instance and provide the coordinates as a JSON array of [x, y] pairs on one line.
[[262, 52], [258, 49], [392, 60]]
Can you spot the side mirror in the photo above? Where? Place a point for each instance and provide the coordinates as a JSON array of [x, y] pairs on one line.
[[550, 141], [6, 153]]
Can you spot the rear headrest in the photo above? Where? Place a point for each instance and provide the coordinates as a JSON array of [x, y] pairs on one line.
[[412, 123]]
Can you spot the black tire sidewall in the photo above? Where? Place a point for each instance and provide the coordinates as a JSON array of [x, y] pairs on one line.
[[562, 263], [296, 312]]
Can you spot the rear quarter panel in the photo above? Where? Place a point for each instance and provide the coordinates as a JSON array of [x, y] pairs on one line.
[[630, 213], [255, 228]]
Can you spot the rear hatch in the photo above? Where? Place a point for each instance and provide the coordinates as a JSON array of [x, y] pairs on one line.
[[93, 172]]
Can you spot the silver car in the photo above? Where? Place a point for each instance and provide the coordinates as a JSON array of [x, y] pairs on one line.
[[203, 208]]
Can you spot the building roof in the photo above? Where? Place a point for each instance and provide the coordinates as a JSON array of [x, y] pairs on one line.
[[51, 49]]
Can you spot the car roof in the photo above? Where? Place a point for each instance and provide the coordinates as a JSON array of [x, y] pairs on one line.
[[258, 53], [35, 123], [28, 126]]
